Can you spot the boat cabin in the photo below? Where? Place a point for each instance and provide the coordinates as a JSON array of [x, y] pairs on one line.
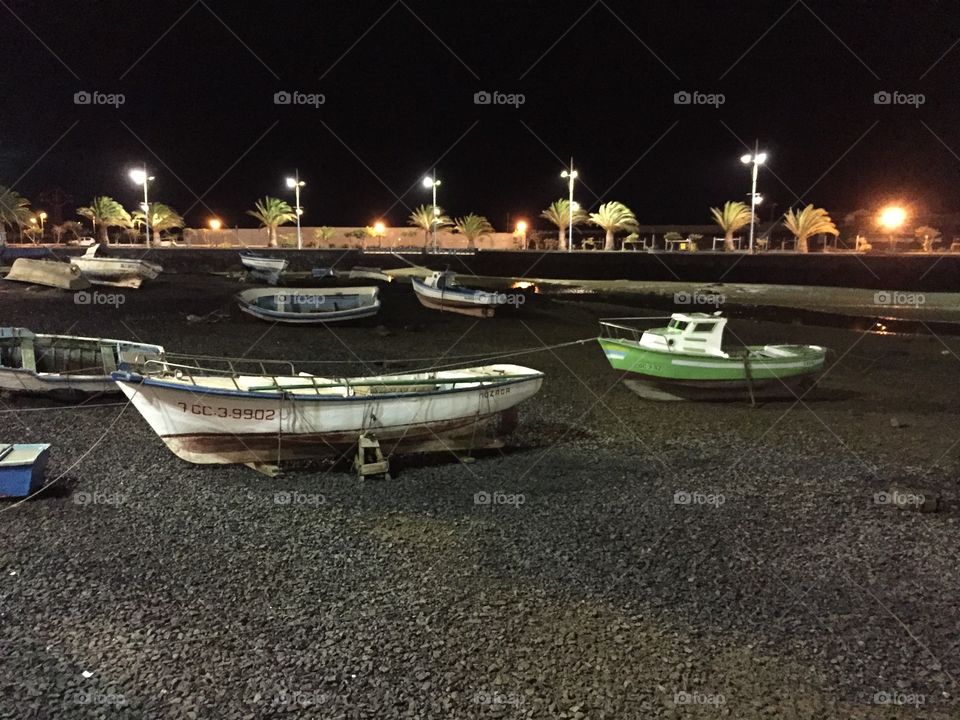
[[688, 333], [442, 280]]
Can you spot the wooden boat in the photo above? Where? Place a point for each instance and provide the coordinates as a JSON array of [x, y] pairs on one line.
[[308, 306], [357, 273], [115, 271], [252, 261], [223, 417], [686, 361], [441, 291], [21, 468], [66, 276], [65, 366]]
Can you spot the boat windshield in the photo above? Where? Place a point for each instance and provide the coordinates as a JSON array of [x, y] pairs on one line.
[[679, 325]]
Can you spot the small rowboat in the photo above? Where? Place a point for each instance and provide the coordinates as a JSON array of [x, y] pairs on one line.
[[686, 361], [231, 418], [66, 276], [441, 291], [252, 261], [65, 366], [21, 468], [310, 306], [118, 272]]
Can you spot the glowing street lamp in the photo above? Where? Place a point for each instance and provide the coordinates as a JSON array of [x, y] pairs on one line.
[[379, 228], [893, 217], [214, 223], [522, 232], [140, 177], [571, 176], [756, 159], [43, 216], [431, 182], [295, 183]]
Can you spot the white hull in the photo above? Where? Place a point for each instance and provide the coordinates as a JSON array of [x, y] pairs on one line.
[[451, 297], [23, 381], [452, 410], [118, 272], [264, 264]]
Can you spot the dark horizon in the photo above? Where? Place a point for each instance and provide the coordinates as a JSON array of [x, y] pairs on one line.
[[399, 80]]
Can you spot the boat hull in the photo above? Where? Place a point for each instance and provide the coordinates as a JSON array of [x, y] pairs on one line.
[[65, 276], [117, 272], [310, 306], [475, 303], [217, 427], [674, 376], [272, 265]]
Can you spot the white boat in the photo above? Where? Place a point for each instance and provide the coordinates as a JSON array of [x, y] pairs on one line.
[[227, 418], [66, 276], [441, 291], [65, 365], [252, 261], [115, 271], [310, 306]]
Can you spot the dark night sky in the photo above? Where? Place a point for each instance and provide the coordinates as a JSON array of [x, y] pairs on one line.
[[399, 80]]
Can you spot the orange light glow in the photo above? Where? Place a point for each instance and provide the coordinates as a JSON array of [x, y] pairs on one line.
[[521, 227], [215, 223], [893, 217]]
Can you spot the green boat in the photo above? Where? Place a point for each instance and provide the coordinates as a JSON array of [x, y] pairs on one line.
[[686, 361]]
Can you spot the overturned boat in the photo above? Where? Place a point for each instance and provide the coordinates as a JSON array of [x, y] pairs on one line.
[[118, 272], [686, 361], [252, 261], [63, 365], [310, 306], [222, 417], [66, 276], [441, 291]]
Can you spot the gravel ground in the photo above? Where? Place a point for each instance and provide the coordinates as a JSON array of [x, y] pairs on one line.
[[144, 587]]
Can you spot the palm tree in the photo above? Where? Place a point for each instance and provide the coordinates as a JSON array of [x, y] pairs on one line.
[[425, 217], [613, 216], [323, 235], [808, 222], [272, 213], [928, 236], [559, 214], [473, 227], [105, 212], [162, 217], [732, 217], [14, 208]]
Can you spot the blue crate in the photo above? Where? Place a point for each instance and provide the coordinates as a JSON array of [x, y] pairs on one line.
[[22, 468]]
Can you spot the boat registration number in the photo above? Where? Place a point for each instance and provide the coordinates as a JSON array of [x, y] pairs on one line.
[[233, 413], [495, 392]]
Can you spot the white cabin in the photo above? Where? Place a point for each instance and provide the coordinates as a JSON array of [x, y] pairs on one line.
[[688, 333]]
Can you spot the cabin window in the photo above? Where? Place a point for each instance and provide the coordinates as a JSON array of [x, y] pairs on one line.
[[703, 327], [678, 325]]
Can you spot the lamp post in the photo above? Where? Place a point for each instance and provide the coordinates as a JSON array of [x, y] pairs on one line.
[[892, 218], [756, 159], [296, 183], [140, 177], [431, 182], [571, 176], [522, 232]]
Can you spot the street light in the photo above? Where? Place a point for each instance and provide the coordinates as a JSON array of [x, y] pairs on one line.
[[43, 216], [379, 228], [214, 223], [893, 217], [296, 183], [431, 182], [140, 177], [756, 159], [571, 176], [522, 232]]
